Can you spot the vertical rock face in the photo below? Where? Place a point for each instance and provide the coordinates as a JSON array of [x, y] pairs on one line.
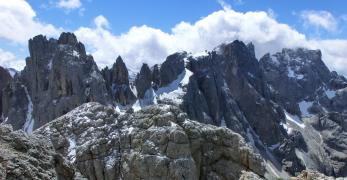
[[5, 78], [117, 83], [58, 76], [156, 77], [227, 89], [143, 81], [171, 68]]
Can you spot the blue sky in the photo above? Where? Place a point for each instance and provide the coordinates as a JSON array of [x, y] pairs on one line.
[[123, 14], [147, 31]]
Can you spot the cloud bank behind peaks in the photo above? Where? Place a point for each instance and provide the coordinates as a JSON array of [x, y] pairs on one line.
[[149, 45]]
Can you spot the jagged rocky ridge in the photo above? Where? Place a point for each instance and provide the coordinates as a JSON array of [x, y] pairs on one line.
[[288, 106]]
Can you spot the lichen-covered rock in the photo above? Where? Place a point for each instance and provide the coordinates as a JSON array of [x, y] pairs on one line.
[[154, 143]]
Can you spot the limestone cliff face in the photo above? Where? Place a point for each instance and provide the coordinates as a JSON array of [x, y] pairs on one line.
[[58, 77], [5, 78]]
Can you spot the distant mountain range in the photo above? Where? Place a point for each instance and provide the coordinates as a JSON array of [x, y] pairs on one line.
[[222, 114]]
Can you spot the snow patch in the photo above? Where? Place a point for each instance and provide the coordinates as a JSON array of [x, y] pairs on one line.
[[200, 54], [49, 66], [300, 76], [330, 93], [291, 72], [72, 150], [304, 106], [287, 128], [75, 53], [29, 122], [174, 90], [222, 123], [95, 75], [274, 146], [148, 99], [294, 119]]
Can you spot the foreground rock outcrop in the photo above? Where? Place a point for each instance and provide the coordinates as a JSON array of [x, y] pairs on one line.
[[154, 143], [28, 157]]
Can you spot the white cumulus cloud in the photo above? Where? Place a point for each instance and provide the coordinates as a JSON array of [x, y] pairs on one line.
[[145, 44], [69, 4], [319, 19], [18, 22], [9, 60]]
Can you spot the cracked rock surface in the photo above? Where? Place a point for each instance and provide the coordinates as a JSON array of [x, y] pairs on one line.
[[154, 143]]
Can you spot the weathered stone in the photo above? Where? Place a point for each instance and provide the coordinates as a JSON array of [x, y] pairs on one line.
[[123, 147]]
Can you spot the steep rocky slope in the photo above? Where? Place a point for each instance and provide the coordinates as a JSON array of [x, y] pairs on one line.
[[314, 102]]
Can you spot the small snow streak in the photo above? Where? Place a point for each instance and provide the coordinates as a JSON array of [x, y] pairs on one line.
[[29, 123]]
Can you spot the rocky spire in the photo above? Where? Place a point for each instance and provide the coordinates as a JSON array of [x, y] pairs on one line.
[[143, 81], [117, 82], [120, 72]]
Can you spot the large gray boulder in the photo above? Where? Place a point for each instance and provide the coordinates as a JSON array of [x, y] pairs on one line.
[[58, 77], [157, 142]]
